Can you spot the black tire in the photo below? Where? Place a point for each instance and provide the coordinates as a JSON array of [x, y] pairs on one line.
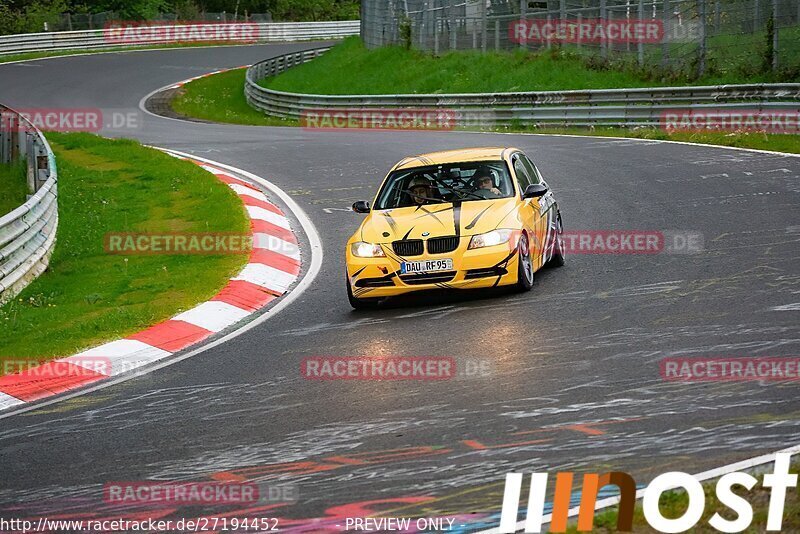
[[558, 253], [524, 264], [360, 304]]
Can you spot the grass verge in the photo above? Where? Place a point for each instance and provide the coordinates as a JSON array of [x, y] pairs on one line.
[[351, 68], [220, 98], [674, 504], [13, 186], [88, 296]]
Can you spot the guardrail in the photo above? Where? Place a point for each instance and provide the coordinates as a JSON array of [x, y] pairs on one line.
[[600, 107], [28, 233], [110, 37]]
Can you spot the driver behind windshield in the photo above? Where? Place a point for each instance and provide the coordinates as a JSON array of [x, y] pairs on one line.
[[421, 191], [484, 182]]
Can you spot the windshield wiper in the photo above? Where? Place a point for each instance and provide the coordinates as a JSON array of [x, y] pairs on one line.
[[437, 200], [457, 192]]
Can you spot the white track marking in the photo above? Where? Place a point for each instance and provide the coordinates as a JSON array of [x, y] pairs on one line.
[[123, 354], [213, 315], [276, 244], [245, 191], [261, 214], [266, 277], [7, 401]]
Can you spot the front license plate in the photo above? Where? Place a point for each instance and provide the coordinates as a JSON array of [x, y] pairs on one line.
[[426, 266]]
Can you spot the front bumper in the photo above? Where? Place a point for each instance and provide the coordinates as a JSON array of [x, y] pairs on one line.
[[472, 269]]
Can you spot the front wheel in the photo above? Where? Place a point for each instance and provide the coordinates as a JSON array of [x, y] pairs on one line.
[[524, 264]]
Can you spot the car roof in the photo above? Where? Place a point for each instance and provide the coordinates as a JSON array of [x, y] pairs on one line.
[[453, 156]]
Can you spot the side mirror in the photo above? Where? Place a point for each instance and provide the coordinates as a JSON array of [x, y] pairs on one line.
[[361, 206], [534, 191]]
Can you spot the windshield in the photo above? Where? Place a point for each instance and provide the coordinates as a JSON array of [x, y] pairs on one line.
[[465, 182]]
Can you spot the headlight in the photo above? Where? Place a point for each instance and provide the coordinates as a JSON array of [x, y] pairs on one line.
[[490, 239], [366, 250]]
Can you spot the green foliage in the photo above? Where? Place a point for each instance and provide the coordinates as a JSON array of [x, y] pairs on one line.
[[136, 9], [405, 33], [26, 16], [32, 17], [186, 10]]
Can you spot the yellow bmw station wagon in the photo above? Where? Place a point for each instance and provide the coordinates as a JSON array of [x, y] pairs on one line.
[[460, 219]]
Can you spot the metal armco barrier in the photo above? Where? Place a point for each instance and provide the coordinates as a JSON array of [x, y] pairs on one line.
[[108, 38], [28, 233], [599, 107]]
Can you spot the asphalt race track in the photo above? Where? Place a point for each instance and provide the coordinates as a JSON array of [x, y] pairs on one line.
[[573, 377]]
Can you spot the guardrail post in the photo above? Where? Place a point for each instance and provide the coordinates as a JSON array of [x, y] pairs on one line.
[[31, 163], [5, 153], [42, 166]]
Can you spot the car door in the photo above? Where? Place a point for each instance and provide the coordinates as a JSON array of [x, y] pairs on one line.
[[530, 210], [548, 208]]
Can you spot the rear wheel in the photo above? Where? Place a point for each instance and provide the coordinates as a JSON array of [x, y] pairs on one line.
[[524, 264], [360, 304], [558, 249]]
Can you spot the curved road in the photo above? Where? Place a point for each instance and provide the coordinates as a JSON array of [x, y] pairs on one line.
[[573, 380]]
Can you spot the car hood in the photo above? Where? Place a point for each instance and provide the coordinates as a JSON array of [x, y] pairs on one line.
[[466, 218]]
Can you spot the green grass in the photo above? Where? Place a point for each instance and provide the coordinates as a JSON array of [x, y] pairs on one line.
[[220, 98], [88, 296], [674, 504], [350, 68], [13, 186]]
